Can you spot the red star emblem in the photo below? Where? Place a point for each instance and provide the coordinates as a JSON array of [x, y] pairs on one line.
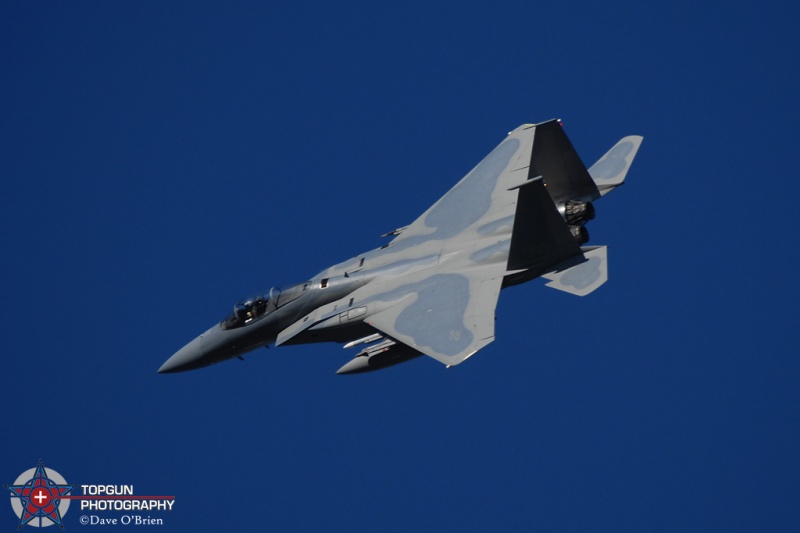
[[40, 497]]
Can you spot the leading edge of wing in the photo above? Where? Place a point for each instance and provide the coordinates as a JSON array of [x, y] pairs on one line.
[[480, 195]]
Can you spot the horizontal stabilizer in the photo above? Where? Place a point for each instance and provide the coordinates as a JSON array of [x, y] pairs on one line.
[[582, 274], [610, 170]]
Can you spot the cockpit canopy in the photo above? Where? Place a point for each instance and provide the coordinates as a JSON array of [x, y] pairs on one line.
[[257, 307], [247, 311]]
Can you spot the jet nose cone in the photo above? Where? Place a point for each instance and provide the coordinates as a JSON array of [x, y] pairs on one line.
[[187, 358]]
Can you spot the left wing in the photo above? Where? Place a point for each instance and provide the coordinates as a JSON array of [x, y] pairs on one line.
[[446, 315]]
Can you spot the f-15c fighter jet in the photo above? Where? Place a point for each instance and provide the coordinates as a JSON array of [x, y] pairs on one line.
[[432, 290]]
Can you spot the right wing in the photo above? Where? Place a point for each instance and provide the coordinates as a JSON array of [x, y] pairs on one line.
[[484, 196]]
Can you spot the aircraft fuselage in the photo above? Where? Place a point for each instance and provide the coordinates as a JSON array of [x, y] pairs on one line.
[[432, 290]]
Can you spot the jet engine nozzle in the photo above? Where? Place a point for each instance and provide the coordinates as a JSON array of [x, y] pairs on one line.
[[580, 234], [578, 212]]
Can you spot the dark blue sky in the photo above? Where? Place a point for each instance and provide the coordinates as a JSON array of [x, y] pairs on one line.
[[161, 160]]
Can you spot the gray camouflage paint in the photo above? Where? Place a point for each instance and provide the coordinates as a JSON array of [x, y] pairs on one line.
[[440, 305], [435, 286], [465, 203], [609, 171]]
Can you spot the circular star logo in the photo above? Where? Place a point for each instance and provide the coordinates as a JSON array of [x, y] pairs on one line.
[[36, 497]]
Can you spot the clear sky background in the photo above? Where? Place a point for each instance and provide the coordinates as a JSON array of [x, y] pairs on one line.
[[161, 160]]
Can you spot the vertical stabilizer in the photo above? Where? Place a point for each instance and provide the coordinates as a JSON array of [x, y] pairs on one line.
[[554, 158], [609, 171]]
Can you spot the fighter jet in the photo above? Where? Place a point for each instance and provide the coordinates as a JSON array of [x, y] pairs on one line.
[[521, 213]]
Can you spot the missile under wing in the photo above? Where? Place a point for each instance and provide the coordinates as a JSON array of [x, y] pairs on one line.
[[432, 290]]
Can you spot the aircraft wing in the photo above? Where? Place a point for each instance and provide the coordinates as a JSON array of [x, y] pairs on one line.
[[502, 217], [484, 195], [448, 312], [446, 315]]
